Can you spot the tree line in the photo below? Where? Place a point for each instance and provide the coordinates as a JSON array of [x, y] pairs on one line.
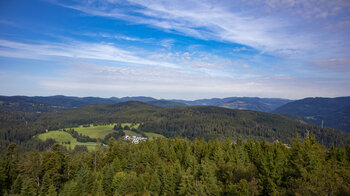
[[198, 121], [179, 167]]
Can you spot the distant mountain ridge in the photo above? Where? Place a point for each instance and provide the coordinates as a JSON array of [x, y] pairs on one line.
[[209, 122], [59, 102], [245, 103], [334, 112]]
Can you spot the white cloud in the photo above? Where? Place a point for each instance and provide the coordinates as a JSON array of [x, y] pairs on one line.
[[282, 28], [167, 43], [118, 36], [239, 49], [196, 62], [221, 21], [334, 64], [82, 50], [172, 83]]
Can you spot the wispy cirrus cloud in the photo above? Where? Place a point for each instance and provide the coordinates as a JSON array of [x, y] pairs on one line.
[[278, 27], [108, 76], [117, 36], [203, 63], [82, 50], [173, 83], [334, 64]]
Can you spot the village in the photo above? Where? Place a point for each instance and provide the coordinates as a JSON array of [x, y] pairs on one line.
[[134, 139]]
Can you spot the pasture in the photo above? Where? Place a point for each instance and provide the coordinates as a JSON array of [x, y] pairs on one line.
[[153, 135], [99, 131], [65, 139]]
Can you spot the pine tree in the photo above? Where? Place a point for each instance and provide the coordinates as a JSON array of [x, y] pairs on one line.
[[208, 179], [84, 179], [155, 184], [52, 191], [188, 186], [108, 175], [118, 180], [3, 177], [17, 185], [28, 188], [45, 185], [12, 158]]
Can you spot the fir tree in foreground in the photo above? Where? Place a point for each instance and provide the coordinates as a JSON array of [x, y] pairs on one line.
[[180, 167]]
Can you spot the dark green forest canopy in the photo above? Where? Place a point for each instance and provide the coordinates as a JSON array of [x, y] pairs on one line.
[[329, 112], [208, 122], [179, 167]]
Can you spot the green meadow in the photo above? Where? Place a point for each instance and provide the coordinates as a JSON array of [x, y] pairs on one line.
[[131, 133], [98, 132], [63, 138], [153, 135]]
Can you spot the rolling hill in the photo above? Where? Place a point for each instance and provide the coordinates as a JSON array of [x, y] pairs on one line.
[[245, 103], [60, 102], [208, 122], [334, 112]]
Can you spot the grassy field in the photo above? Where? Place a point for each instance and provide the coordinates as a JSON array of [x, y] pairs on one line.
[[63, 137], [148, 134], [153, 135], [131, 133], [99, 131]]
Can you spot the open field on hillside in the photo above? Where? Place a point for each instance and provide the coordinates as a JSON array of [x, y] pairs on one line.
[[153, 135], [131, 133], [65, 139], [99, 131]]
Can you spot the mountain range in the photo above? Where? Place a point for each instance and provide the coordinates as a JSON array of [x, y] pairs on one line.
[[59, 102], [327, 112], [208, 122]]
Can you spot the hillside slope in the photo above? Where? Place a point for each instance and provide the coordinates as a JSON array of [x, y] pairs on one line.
[[208, 122], [246, 103], [60, 102], [334, 112]]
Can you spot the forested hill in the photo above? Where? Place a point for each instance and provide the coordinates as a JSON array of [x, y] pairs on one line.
[[208, 122], [179, 167], [246, 103], [60, 102], [334, 112]]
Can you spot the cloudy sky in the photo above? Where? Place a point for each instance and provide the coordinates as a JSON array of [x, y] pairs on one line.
[[175, 49]]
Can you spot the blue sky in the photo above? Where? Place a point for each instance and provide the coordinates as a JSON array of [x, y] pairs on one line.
[[175, 49]]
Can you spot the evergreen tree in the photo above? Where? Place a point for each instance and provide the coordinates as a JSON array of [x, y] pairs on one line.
[[52, 191], [17, 186], [155, 184], [208, 179], [28, 188], [45, 185], [3, 177]]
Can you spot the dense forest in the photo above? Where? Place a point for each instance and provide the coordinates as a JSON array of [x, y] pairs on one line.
[[59, 102], [179, 167], [208, 122], [329, 112], [209, 151]]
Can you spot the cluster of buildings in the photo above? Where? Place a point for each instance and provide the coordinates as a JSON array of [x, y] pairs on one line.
[[134, 139]]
